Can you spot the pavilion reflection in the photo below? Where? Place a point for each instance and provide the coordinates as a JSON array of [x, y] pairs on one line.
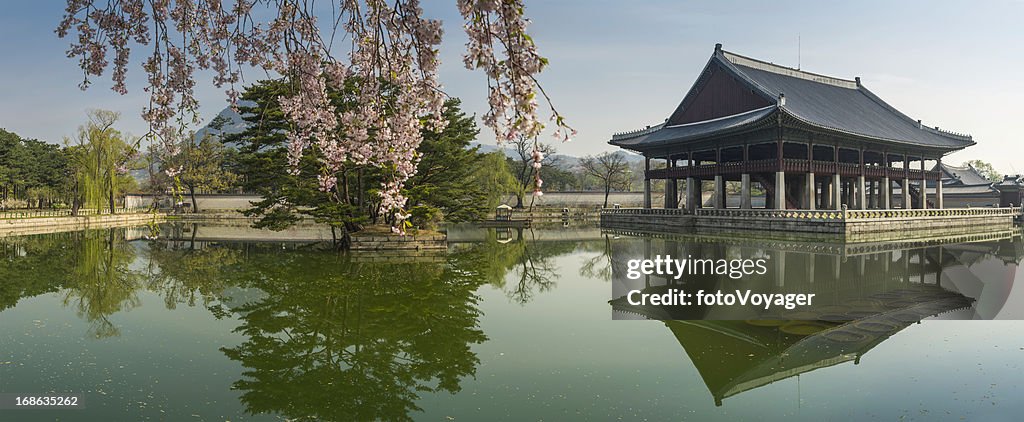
[[849, 281], [869, 294], [737, 356]]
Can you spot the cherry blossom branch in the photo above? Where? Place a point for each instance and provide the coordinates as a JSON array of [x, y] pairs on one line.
[[392, 62]]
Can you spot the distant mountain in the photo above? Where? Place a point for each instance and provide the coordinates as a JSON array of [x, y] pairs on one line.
[[233, 123], [564, 160]]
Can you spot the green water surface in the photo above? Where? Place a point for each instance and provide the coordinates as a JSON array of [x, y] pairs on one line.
[[500, 327]]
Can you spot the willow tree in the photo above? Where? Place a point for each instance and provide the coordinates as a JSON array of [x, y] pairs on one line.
[[99, 154], [379, 43]]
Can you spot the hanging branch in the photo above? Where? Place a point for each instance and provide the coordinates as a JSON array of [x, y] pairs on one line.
[[392, 51]]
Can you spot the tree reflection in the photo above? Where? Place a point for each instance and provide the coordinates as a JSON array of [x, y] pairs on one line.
[[334, 339], [102, 282], [600, 266], [190, 272], [521, 267], [33, 265]]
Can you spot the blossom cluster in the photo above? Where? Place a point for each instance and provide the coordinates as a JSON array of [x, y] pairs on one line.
[[391, 48], [500, 46]]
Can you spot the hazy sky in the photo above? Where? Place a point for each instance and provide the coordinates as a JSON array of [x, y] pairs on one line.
[[618, 65]]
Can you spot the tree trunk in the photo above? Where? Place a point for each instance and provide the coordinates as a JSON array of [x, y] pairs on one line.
[[359, 176], [344, 186], [607, 189], [75, 202], [192, 193], [110, 190]]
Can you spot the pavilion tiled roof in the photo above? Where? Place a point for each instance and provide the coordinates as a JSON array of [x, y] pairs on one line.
[[660, 134], [961, 176], [833, 104]]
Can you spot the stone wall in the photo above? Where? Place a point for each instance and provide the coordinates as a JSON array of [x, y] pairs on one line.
[[926, 226], [25, 226], [591, 200], [859, 226], [650, 223], [205, 202], [367, 242]]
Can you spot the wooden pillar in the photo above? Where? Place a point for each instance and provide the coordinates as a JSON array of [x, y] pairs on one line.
[[671, 191], [647, 183], [837, 192], [692, 191], [719, 194], [811, 190], [826, 194], [671, 188], [745, 199], [907, 204], [745, 202], [861, 199], [886, 191], [871, 194], [780, 190], [924, 186], [938, 188], [861, 193]]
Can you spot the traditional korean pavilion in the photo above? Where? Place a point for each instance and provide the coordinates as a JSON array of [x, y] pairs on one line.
[[964, 187], [811, 142]]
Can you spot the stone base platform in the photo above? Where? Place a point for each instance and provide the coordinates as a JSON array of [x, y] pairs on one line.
[[417, 242], [42, 225], [850, 225]]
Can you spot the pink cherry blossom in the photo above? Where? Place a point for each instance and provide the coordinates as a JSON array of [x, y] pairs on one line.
[[382, 44]]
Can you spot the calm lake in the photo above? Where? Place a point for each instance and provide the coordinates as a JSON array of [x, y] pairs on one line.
[[506, 325]]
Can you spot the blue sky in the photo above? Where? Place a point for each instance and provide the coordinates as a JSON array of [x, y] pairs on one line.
[[618, 65]]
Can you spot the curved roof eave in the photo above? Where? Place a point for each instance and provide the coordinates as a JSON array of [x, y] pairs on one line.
[[686, 132], [808, 122]]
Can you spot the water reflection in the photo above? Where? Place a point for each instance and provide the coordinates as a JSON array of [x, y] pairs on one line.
[[102, 281], [336, 340], [518, 261], [324, 336], [868, 293], [849, 281], [736, 356], [90, 268]]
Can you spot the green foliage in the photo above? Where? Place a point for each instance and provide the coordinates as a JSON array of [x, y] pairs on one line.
[[557, 178], [986, 169], [201, 166], [290, 194], [99, 158], [425, 216], [453, 177], [521, 268], [495, 177], [333, 339], [448, 180], [103, 282], [32, 171]]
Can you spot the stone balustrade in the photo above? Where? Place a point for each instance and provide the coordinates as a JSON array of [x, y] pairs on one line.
[[824, 215], [643, 211], [877, 225]]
